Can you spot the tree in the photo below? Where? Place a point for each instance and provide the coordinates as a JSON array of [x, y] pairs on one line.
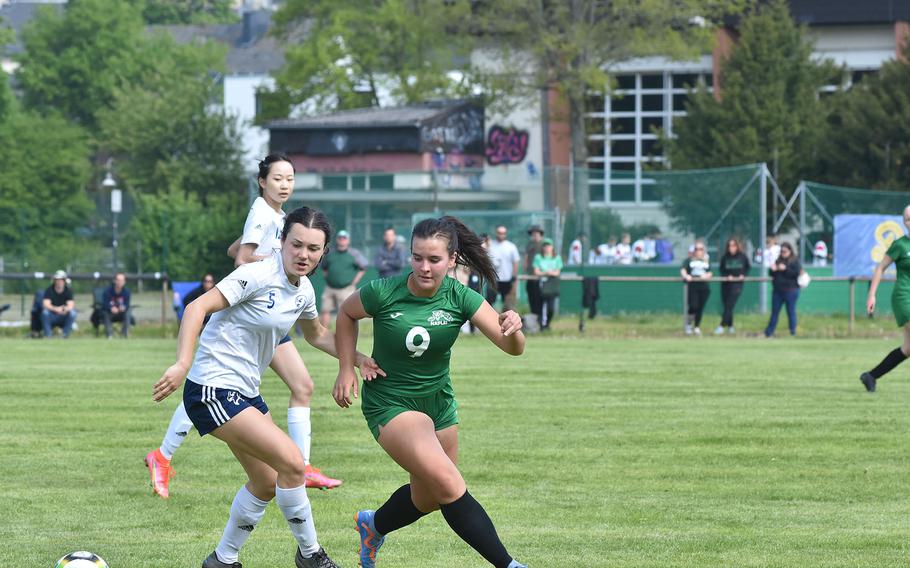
[[44, 168], [183, 237], [768, 111], [869, 142], [570, 46], [356, 53], [166, 134], [170, 12], [76, 57]]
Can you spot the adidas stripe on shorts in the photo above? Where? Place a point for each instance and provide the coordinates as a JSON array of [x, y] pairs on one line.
[[211, 407]]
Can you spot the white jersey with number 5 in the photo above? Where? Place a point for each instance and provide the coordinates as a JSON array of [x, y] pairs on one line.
[[238, 343], [263, 228]]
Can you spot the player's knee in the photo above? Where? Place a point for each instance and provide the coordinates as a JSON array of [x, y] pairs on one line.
[[263, 489], [301, 389], [292, 469], [447, 486]]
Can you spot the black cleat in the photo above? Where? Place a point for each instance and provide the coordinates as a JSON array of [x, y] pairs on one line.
[[868, 381], [213, 562], [318, 560]]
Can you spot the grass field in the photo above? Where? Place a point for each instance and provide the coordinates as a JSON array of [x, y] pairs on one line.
[[587, 451]]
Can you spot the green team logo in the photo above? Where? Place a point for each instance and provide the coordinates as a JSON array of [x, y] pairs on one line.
[[440, 317]]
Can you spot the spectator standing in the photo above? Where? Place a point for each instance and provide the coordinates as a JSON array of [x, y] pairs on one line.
[[58, 306], [785, 288], [548, 265], [115, 306], [663, 249], [598, 255], [391, 256], [535, 246], [820, 254], [624, 250], [696, 271], [576, 250], [770, 253], [734, 267], [342, 269], [505, 258]]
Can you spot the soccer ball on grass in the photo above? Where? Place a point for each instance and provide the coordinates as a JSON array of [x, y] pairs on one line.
[[81, 559]]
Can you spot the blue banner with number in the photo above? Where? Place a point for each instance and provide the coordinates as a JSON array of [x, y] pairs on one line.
[[860, 242]]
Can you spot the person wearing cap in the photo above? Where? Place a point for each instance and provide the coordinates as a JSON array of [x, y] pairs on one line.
[[58, 306], [548, 265], [342, 269], [535, 246]]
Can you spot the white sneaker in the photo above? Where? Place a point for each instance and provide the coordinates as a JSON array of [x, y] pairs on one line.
[[688, 329], [697, 331], [731, 331], [719, 330]]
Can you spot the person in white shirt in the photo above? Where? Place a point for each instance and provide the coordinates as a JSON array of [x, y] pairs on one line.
[[599, 256], [253, 308], [261, 238], [505, 258], [576, 250], [624, 250], [820, 254]]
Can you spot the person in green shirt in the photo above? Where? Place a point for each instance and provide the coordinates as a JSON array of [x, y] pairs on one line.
[[899, 254], [548, 265], [342, 270], [412, 411]]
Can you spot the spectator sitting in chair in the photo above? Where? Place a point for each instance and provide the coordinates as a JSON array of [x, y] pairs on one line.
[[58, 306], [115, 306]]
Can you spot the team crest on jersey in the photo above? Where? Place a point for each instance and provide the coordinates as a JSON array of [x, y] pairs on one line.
[[298, 301], [440, 317]]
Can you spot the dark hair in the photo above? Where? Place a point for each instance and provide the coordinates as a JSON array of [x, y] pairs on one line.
[[462, 240], [734, 240], [266, 164], [311, 219], [789, 247]]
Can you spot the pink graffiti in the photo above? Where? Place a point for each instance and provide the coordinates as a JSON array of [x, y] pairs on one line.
[[506, 145]]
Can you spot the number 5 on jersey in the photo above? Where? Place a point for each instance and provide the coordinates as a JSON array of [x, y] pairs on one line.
[[420, 348]]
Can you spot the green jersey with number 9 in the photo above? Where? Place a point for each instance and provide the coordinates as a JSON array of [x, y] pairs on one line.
[[413, 336]]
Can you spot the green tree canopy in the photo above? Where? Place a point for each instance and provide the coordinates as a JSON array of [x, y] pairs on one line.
[[170, 12], [869, 142], [168, 134], [353, 52], [769, 111], [44, 168], [76, 57]]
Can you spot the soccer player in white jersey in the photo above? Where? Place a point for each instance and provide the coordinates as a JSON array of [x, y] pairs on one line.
[[261, 236], [253, 308]]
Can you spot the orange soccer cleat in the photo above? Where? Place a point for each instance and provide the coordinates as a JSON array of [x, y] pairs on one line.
[[315, 478], [160, 470]]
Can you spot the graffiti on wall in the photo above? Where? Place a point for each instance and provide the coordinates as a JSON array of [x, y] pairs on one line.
[[506, 145]]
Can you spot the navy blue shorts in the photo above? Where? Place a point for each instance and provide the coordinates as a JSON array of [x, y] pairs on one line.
[[284, 339], [210, 407]]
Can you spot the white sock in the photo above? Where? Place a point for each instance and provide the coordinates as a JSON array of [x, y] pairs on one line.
[[515, 564], [295, 505], [300, 430], [246, 512], [176, 433]]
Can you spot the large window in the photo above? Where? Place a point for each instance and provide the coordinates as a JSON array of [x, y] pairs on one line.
[[624, 131]]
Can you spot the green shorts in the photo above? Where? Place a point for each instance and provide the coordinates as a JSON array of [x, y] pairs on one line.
[[900, 305], [379, 408]]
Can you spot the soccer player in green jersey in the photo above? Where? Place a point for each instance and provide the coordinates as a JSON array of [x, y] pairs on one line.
[[899, 254], [412, 411]]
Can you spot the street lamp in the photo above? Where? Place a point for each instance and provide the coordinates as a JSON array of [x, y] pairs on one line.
[[116, 207]]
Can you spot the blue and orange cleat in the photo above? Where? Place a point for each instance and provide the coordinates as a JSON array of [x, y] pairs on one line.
[[370, 540]]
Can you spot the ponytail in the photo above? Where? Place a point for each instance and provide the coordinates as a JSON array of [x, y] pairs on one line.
[[464, 244]]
